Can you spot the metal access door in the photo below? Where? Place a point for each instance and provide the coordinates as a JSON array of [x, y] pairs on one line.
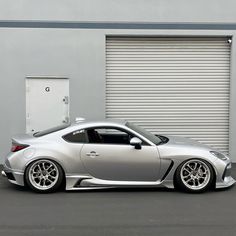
[[47, 103]]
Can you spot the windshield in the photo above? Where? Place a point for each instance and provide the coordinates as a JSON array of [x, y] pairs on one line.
[[51, 130], [154, 139]]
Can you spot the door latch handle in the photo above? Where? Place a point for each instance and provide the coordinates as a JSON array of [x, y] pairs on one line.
[[92, 154], [66, 100]]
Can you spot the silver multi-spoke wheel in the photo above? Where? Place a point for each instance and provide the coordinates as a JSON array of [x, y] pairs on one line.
[[195, 174], [43, 175]]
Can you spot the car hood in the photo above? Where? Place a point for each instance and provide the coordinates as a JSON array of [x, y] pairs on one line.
[[181, 148], [181, 141]]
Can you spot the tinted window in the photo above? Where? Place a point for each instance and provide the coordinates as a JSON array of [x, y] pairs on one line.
[[51, 130], [108, 135], [76, 137]]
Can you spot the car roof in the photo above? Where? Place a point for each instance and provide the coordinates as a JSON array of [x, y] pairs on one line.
[[105, 122], [87, 124], [81, 124]]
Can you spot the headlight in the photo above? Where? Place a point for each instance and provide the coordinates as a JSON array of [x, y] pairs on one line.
[[219, 155]]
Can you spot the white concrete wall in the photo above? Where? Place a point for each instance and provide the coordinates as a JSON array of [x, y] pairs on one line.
[[120, 10]]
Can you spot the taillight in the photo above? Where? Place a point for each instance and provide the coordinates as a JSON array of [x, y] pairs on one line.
[[17, 147]]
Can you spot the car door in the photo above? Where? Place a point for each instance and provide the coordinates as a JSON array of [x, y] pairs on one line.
[[109, 156]]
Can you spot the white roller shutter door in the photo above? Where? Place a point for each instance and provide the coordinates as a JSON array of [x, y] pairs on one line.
[[172, 86]]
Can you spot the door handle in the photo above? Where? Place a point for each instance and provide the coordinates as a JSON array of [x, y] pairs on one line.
[[92, 154]]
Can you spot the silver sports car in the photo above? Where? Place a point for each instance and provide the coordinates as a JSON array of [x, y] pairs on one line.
[[89, 155]]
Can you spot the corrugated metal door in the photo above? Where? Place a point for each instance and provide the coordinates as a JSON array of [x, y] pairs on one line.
[[177, 86]]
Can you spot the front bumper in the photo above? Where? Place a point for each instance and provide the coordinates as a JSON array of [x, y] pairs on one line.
[[226, 180], [3, 173]]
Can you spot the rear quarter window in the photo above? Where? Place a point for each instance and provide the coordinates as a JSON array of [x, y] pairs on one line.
[[78, 136]]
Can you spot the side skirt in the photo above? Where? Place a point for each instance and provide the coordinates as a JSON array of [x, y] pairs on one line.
[[79, 182]]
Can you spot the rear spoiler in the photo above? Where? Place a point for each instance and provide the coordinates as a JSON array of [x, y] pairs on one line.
[[22, 138]]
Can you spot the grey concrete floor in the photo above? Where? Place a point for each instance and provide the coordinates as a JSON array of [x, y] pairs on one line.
[[117, 212]]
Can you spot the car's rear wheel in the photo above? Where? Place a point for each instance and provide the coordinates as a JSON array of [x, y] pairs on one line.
[[194, 175], [44, 176]]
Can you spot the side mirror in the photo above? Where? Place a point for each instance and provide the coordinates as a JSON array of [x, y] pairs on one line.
[[136, 142]]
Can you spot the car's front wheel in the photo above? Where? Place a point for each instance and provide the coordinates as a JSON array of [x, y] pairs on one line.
[[44, 176], [194, 175]]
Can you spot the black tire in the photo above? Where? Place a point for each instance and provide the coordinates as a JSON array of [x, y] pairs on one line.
[[196, 180], [44, 181]]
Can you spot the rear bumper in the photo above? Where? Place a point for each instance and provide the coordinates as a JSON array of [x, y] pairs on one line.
[[15, 177]]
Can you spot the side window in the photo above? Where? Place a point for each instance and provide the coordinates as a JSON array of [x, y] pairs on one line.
[[108, 136], [78, 136]]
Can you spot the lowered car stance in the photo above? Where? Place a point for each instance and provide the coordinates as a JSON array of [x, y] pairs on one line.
[[92, 155]]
